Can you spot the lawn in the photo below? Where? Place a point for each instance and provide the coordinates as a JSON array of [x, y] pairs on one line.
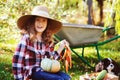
[[111, 49]]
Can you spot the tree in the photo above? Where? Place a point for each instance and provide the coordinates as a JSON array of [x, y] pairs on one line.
[[100, 4]]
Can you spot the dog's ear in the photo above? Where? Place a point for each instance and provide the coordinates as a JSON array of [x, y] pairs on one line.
[[115, 63], [116, 68]]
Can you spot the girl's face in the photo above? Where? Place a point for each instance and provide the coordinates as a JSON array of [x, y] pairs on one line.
[[40, 24]]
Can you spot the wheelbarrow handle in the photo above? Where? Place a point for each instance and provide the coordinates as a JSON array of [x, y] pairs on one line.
[[107, 28]]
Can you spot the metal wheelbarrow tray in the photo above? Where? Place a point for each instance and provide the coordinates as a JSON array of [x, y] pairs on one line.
[[81, 36], [77, 34]]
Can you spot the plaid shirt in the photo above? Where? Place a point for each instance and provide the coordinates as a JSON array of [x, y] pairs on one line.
[[28, 56]]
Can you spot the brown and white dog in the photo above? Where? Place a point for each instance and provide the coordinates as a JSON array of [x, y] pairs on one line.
[[108, 64]]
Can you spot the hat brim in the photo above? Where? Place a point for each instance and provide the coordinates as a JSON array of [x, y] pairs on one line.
[[55, 25]]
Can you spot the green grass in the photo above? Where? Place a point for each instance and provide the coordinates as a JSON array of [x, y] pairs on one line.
[[6, 53], [5, 66], [111, 50]]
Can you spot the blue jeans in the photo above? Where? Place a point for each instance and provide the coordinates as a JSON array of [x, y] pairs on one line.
[[41, 75]]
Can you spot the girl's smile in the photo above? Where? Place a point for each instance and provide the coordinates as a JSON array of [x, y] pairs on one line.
[[40, 24]]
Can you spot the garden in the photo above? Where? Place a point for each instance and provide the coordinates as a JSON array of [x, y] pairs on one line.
[[105, 13]]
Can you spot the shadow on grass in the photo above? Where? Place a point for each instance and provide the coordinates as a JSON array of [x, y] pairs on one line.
[[6, 64], [6, 71]]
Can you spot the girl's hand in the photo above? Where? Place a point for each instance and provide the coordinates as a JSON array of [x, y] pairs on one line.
[[63, 43]]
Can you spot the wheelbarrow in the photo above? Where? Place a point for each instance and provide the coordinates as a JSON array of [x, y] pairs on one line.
[[82, 36]]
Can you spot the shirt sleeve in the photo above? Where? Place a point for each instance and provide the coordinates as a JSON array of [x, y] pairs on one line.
[[18, 60], [54, 53]]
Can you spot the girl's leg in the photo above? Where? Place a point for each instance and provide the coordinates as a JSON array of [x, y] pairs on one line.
[[41, 75], [64, 75]]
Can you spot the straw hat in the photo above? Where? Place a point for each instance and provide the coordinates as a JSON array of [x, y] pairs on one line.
[[41, 11]]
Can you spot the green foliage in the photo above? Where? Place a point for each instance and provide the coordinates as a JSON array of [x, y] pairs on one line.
[[11, 10], [117, 17], [70, 11]]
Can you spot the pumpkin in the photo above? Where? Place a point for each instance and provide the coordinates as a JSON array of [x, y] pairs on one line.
[[50, 65]]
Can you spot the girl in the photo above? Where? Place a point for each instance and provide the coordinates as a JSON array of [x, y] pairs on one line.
[[37, 43]]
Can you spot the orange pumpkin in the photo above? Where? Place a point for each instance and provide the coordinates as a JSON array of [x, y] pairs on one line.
[[50, 65]]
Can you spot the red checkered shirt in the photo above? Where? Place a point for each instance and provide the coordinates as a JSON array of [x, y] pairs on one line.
[[28, 55]]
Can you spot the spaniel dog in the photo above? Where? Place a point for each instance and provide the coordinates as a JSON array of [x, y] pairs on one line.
[[108, 64]]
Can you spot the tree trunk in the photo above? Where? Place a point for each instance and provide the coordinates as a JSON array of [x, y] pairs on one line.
[[89, 3]]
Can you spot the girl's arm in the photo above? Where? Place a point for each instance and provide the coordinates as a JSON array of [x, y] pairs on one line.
[[18, 60]]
